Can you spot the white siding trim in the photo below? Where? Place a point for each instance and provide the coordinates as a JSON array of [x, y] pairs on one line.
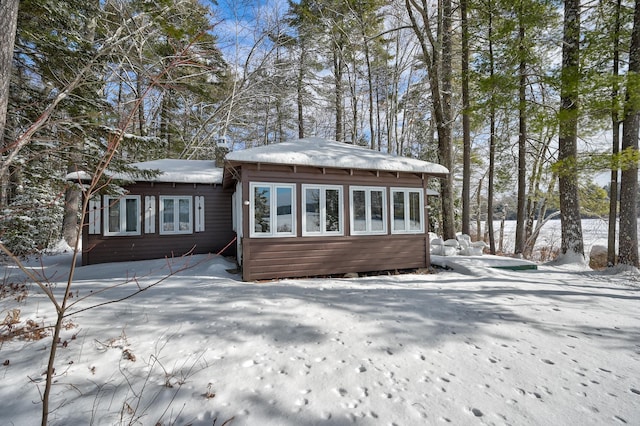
[[199, 212], [94, 215]]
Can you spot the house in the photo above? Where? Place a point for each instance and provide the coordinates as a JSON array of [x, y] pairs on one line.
[[315, 207], [304, 207], [181, 210]]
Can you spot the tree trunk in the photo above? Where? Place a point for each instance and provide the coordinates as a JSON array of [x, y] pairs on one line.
[[372, 129], [141, 116], [72, 197], [571, 226], [522, 143], [445, 139], [436, 59], [628, 239], [300, 92], [466, 122], [492, 143], [8, 23], [615, 149], [337, 72]]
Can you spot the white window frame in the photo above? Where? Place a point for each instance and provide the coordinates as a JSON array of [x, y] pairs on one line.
[[407, 210], [273, 210], [176, 215], [323, 210], [385, 211], [108, 205]]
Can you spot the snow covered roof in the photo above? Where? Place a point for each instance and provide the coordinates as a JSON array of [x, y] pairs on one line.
[[171, 170], [183, 171], [319, 152]]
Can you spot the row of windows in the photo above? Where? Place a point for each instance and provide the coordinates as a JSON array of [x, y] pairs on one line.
[[273, 210], [123, 215]]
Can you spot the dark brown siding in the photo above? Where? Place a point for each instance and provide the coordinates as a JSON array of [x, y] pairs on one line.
[[267, 258], [217, 234]]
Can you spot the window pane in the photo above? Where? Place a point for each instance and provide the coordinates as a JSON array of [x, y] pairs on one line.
[[377, 205], [398, 211], [168, 215], [284, 203], [414, 211], [332, 210], [132, 214], [312, 209], [262, 209], [184, 214], [114, 216], [359, 211]]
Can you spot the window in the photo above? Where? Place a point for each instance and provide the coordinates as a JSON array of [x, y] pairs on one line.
[[368, 210], [273, 210], [322, 210], [122, 215], [408, 210], [176, 215]]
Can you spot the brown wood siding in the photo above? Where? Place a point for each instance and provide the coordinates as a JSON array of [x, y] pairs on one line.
[[267, 258], [217, 234]]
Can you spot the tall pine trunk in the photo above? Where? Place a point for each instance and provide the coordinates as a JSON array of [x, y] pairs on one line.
[[522, 142], [337, 72], [300, 91], [445, 137], [466, 121], [492, 139], [628, 238], [571, 226], [615, 121], [437, 57]]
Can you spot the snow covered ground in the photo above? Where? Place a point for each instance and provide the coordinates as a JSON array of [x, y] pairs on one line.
[[559, 345]]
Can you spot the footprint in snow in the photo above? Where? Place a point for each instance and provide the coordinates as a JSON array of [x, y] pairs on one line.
[[341, 391], [476, 412]]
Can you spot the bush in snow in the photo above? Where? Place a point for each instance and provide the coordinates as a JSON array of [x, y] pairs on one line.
[[31, 222]]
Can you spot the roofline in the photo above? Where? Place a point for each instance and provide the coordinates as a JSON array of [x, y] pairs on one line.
[[235, 163]]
